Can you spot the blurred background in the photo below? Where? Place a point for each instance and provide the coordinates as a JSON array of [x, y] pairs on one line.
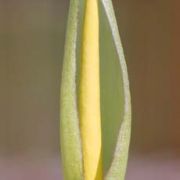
[[31, 52]]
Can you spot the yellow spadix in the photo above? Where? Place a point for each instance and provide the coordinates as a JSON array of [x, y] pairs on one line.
[[89, 98]]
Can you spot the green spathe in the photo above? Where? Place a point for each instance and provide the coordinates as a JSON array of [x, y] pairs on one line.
[[116, 112]]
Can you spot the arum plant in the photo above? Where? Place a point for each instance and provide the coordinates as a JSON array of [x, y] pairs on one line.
[[95, 98]]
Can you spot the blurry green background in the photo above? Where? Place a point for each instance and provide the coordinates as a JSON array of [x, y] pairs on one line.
[[31, 52]]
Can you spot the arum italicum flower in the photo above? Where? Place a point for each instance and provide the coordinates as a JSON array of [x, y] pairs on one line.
[[95, 98]]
